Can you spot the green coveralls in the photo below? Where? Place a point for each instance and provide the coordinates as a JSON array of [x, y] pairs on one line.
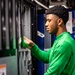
[[61, 56]]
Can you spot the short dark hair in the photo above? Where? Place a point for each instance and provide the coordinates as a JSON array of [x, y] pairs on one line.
[[60, 11]]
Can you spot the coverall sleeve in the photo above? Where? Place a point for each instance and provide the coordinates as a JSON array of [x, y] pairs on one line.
[[59, 60], [40, 54]]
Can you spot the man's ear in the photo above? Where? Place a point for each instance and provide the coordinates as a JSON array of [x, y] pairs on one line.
[[60, 21]]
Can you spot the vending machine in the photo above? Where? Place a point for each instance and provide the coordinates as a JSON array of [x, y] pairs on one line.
[[17, 19], [8, 38]]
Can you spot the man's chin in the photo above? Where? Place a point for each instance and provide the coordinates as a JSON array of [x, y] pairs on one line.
[[50, 32]]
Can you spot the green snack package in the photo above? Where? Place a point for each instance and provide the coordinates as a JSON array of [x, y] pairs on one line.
[[23, 43]]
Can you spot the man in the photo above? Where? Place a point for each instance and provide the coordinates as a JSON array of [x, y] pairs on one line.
[[61, 56]]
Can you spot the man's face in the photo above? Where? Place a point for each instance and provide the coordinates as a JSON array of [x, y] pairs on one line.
[[52, 23]]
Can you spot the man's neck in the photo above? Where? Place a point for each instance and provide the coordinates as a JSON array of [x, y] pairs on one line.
[[61, 30]]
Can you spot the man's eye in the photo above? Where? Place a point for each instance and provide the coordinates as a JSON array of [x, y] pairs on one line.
[[48, 20]]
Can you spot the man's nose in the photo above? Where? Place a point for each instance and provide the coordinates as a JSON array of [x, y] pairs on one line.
[[46, 24]]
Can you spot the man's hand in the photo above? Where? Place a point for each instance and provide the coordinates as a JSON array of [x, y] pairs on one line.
[[29, 42]]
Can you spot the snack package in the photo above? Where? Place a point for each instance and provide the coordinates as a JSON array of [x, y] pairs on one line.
[[23, 43]]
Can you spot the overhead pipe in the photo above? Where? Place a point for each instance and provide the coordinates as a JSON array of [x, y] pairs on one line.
[[39, 3]]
